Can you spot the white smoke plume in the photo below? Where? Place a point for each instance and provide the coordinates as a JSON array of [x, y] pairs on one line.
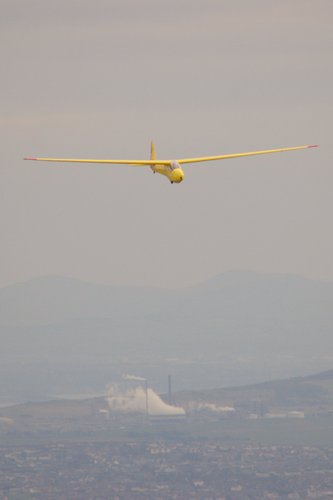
[[134, 400], [211, 407], [134, 378]]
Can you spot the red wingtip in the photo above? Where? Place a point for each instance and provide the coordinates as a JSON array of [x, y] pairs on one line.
[[29, 158], [314, 146]]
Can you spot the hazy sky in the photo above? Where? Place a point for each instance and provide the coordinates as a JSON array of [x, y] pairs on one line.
[[100, 79]]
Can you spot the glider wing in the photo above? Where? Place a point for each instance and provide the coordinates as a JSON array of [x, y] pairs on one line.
[[140, 163], [137, 163], [238, 155]]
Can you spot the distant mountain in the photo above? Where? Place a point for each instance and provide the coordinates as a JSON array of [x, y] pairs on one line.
[[235, 314], [53, 299], [312, 394], [237, 326]]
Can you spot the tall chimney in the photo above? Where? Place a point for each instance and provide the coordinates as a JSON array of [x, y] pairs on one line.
[[146, 390], [169, 390]]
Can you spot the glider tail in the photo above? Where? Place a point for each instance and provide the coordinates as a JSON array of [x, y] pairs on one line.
[[152, 155], [152, 151]]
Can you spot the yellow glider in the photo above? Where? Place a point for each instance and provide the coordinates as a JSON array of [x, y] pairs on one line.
[[171, 168]]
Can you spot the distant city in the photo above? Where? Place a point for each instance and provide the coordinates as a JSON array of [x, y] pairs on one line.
[[164, 469]]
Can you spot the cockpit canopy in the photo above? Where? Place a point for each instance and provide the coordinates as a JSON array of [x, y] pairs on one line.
[[174, 165]]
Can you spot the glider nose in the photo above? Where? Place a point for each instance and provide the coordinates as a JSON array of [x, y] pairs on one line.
[[177, 175]]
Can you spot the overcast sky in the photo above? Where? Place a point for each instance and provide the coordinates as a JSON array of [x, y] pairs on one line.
[[101, 79]]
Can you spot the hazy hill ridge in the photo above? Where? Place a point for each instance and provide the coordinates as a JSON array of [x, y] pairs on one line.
[[313, 393]]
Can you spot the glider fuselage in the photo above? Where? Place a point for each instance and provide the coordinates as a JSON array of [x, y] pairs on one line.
[[173, 172]]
